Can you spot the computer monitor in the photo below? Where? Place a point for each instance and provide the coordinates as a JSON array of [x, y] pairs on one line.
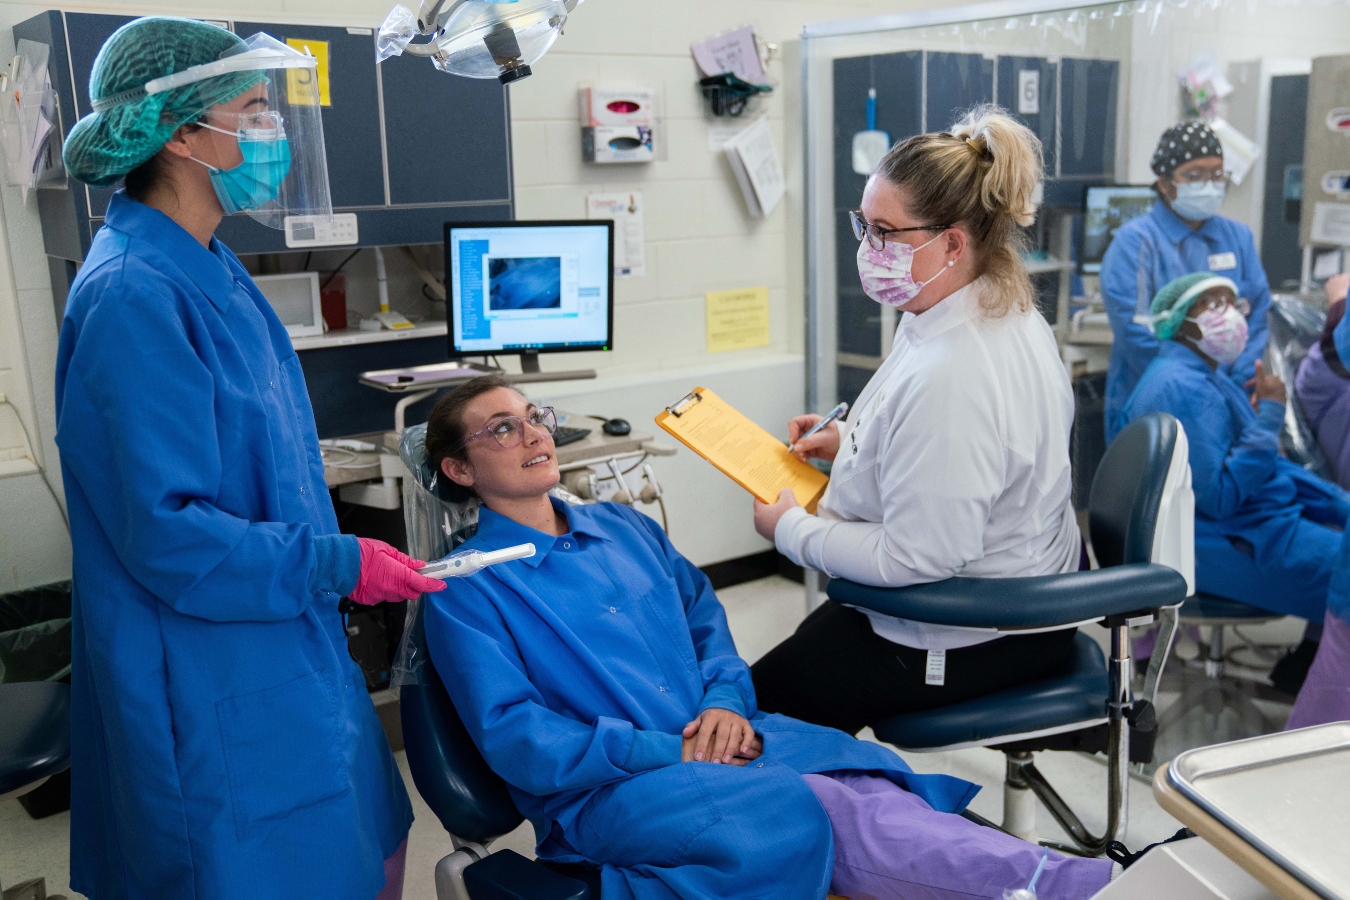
[[529, 287], [1106, 209]]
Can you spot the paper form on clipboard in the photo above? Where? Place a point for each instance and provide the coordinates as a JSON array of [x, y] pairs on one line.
[[746, 453]]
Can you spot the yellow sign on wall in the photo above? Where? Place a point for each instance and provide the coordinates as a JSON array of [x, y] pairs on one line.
[[305, 87], [738, 320]]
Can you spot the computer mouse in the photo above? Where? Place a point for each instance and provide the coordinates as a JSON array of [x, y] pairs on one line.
[[616, 427]]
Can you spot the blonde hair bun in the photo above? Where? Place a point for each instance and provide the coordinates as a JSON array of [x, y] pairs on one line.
[[1017, 161], [982, 176]]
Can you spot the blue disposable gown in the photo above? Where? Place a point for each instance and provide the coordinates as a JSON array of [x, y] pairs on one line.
[[1266, 531], [575, 671], [223, 743], [1148, 252]]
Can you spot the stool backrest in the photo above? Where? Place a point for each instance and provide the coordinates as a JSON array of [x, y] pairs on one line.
[[1128, 489], [471, 801]]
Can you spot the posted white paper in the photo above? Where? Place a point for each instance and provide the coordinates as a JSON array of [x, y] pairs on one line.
[[630, 249], [1326, 264], [759, 171], [1331, 224], [721, 132], [1029, 92], [733, 52]]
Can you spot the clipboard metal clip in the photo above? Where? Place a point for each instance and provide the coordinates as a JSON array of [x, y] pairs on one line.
[[684, 403]]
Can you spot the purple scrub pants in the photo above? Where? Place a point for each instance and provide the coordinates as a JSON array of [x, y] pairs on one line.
[[394, 867], [1325, 695], [891, 845]]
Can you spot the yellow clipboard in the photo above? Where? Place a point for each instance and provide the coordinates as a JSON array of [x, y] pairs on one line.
[[746, 453]]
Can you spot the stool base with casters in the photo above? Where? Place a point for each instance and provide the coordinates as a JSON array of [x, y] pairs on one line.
[[1213, 708]]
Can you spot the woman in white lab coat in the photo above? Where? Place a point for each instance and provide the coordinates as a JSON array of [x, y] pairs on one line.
[[955, 458]]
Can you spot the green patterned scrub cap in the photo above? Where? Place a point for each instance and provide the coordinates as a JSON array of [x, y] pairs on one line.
[[129, 124], [1173, 301]]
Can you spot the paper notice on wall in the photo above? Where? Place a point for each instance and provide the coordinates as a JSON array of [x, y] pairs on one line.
[[630, 249], [1331, 224], [308, 87], [754, 159], [738, 320], [721, 132], [733, 52], [1326, 264]]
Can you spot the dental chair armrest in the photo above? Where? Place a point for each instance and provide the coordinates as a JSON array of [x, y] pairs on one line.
[[1043, 601], [506, 875]]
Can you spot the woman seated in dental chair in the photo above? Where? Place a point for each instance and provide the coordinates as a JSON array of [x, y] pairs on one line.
[[1267, 532], [599, 680]]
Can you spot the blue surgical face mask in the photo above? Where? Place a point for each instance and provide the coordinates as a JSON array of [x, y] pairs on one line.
[[256, 181], [1197, 201]]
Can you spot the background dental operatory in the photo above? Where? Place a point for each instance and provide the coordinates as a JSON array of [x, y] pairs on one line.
[[549, 449]]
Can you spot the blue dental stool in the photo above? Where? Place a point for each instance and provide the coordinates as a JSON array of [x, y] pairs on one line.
[[34, 735], [1141, 512]]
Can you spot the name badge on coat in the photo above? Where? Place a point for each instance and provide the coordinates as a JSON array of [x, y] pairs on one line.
[[1222, 262]]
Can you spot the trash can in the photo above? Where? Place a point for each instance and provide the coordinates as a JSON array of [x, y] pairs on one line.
[[35, 646], [35, 634]]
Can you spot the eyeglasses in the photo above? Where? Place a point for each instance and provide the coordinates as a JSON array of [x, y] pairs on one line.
[[509, 431], [1241, 304], [1218, 177], [875, 235]]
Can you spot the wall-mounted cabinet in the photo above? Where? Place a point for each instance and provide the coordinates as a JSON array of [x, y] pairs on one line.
[[409, 147]]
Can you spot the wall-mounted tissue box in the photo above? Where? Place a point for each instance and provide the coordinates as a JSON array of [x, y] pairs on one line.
[[616, 124]]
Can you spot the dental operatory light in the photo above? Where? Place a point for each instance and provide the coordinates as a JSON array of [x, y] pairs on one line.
[[476, 38]]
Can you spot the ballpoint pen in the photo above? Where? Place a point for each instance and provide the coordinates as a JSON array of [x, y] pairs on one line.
[[838, 412]]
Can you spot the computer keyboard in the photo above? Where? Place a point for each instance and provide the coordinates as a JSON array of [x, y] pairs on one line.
[[565, 435]]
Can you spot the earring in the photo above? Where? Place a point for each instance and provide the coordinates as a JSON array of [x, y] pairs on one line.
[[950, 263]]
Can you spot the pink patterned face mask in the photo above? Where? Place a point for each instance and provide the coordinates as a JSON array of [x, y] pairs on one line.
[[886, 275], [1223, 334]]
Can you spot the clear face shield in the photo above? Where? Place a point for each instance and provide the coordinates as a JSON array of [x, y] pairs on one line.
[[264, 148]]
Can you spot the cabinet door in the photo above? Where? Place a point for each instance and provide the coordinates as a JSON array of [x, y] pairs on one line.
[[351, 121], [1087, 142], [87, 33], [1012, 83], [956, 82], [898, 78], [448, 137]]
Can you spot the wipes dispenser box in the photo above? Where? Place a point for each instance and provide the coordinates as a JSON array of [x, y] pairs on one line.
[[616, 124]]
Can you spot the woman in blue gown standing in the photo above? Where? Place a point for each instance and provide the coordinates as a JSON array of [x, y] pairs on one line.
[[223, 743]]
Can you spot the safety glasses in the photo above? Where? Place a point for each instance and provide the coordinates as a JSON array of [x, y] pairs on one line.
[[509, 431]]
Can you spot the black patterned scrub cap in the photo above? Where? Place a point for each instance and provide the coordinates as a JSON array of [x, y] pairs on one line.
[[1182, 143]]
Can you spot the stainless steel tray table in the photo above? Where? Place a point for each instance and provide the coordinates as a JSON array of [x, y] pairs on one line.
[[1287, 795]]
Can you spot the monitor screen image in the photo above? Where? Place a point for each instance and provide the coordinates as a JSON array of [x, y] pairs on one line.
[[529, 287], [1108, 208]]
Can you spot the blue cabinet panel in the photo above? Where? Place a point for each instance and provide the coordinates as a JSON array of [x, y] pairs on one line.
[[1087, 144], [342, 406], [956, 82], [448, 140], [449, 137], [1042, 122], [897, 78], [351, 125], [859, 316]]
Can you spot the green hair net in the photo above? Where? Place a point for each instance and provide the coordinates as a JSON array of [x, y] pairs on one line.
[[1172, 302], [128, 126]]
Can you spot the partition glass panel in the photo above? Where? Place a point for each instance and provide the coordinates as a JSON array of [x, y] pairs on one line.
[[1098, 85]]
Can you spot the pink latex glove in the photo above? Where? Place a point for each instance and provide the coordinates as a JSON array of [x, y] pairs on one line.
[[388, 576]]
